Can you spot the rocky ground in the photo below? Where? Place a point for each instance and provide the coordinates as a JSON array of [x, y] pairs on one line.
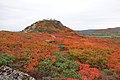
[[7, 73]]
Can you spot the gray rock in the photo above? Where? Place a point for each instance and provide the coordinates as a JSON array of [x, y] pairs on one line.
[[53, 36], [7, 73], [29, 28]]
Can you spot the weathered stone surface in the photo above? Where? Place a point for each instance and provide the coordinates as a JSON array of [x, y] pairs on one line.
[[29, 28], [7, 73]]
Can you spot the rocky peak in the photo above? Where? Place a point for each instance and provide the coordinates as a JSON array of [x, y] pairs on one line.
[[45, 26]]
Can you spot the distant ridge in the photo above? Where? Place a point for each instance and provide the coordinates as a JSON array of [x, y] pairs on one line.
[[109, 32]]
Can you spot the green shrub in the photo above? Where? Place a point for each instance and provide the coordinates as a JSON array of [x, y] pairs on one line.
[[45, 67], [6, 59], [71, 74], [54, 74], [108, 72], [64, 67], [56, 54]]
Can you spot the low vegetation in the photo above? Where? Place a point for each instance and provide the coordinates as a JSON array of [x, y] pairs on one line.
[[60, 54]]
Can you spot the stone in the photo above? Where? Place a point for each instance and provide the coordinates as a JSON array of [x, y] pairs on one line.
[[7, 73], [49, 41]]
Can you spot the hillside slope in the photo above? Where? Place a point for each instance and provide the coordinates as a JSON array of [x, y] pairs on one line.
[[48, 49]]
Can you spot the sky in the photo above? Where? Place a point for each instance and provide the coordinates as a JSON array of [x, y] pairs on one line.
[[15, 15]]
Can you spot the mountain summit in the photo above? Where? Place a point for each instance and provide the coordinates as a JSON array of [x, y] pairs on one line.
[[51, 27], [45, 26]]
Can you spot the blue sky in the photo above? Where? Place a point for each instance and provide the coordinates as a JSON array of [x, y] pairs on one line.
[[15, 15]]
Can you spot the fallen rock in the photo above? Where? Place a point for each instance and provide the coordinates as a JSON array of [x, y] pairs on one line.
[[7, 73]]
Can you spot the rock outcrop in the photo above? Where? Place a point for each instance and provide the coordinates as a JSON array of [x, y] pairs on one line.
[[7, 73], [45, 26]]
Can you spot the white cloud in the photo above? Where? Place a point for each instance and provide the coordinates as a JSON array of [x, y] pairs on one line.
[[77, 14]]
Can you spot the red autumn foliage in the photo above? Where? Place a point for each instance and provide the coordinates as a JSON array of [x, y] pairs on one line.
[[71, 79], [87, 72], [114, 63], [37, 47]]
